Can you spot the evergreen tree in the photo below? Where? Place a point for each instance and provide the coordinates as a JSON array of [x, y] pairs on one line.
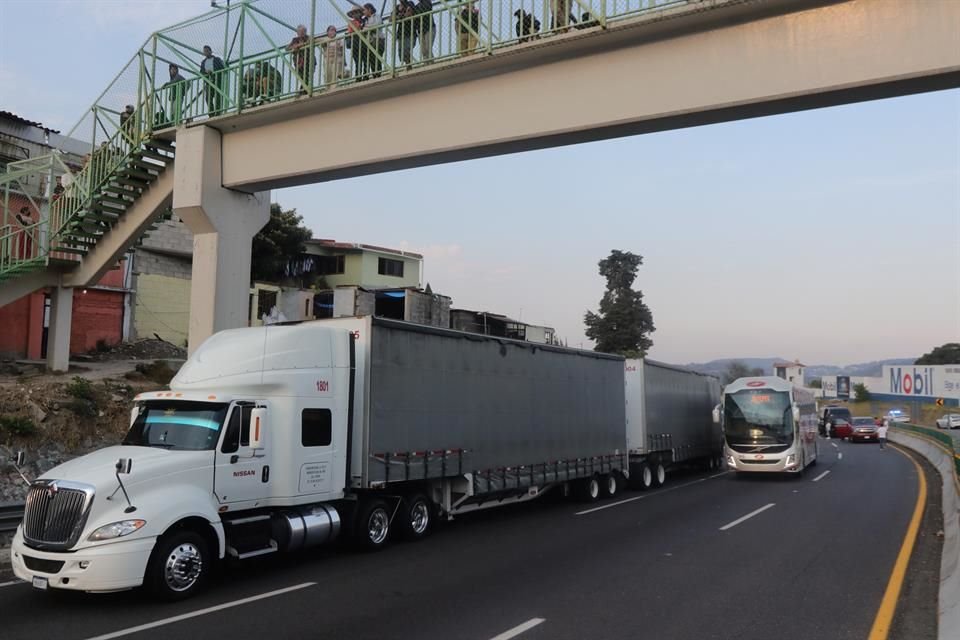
[[624, 322]]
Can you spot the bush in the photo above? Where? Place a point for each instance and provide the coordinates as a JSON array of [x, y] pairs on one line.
[[18, 425], [157, 371], [81, 389], [860, 392], [102, 346], [82, 408]]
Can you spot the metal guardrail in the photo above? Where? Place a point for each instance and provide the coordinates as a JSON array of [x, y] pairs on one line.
[[943, 439], [11, 513]]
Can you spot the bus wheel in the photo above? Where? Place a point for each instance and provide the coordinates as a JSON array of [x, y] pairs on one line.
[[659, 475], [611, 485]]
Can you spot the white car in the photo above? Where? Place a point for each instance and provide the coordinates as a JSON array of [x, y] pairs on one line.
[[949, 421], [895, 415]]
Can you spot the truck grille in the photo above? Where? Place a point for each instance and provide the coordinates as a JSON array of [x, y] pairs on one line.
[[55, 513]]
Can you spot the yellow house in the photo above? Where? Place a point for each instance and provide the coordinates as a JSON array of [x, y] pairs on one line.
[[365, 265]]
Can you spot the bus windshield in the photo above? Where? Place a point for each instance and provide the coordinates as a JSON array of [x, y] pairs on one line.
[[184, 426], [758, 416]]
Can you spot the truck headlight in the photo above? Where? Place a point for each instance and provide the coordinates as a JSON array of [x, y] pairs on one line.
[[116, 530]]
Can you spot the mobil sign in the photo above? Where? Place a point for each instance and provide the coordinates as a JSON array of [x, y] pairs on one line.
[[911, 381], [934, 381]]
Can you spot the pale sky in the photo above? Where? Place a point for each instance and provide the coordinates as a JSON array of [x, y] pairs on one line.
[[832, 236]]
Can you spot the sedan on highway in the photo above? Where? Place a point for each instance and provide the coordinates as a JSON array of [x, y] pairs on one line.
[[949, 421], [841, 429], [864, 430]]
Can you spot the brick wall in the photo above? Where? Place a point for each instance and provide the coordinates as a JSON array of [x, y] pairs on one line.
[[97, 315]]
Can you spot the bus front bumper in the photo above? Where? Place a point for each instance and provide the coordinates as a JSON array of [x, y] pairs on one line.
[[746, 462]]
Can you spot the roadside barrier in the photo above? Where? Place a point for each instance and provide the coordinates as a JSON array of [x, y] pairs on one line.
[[939, 448]]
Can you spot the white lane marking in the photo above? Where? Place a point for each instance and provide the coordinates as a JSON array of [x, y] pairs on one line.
[[821, 476], [648, 495], [835, 445], [11, 583], [839, 456], [199, 612], [747, 517], [520, 628]]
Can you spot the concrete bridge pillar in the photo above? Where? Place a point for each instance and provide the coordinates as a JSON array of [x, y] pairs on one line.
[[58, 336], [223, 223]]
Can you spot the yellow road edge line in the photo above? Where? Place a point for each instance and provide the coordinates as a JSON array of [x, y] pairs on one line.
[[888, 605]]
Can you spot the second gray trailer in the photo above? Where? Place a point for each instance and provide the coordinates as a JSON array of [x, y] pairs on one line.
[[669, 420]]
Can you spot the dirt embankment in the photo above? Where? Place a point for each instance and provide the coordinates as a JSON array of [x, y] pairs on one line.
[[54, 419]]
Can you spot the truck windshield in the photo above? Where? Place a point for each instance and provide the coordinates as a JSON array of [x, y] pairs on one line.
[[185, 426], [758, 416]]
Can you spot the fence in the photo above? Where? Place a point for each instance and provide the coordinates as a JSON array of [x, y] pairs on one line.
[[11, 513]]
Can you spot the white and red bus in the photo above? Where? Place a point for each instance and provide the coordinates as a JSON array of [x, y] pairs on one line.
[[769, 425]]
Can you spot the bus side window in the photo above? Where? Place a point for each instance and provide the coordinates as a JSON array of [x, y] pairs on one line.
[[238, 429]]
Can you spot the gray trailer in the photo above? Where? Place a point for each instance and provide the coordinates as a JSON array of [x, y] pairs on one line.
[[480, 420], [669, 419]]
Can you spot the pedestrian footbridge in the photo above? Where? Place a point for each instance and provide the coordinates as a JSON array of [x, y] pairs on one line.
[[281, 102]]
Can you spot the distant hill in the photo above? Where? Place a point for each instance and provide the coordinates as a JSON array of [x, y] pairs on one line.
[[869, 369]]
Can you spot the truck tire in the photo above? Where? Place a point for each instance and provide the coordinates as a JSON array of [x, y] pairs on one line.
[[179, 566], [588, 489], [659, 475], [371, 530], [416, 516], [612, 483], [645, 477]]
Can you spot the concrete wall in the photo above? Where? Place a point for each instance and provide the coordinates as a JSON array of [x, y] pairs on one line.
[[162, 307], [424, 308]]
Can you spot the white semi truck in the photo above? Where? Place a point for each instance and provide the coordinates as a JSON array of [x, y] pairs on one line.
[[279, 438]]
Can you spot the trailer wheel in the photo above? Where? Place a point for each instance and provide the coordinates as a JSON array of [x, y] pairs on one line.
[[416, 517], [588, 489], [645, 477], [611, 484], [372, 527], [659, 475], [179, 566]]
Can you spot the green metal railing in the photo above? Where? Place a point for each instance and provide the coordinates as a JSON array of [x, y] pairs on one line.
[[269, 51], [943, 439]]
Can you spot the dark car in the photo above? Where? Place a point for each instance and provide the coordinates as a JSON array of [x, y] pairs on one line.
[[830, 416], [864, 430]]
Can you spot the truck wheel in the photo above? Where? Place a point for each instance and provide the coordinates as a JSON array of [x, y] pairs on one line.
[[611, 485], [179, 566], [372, 527], [645, 477], [416, 516], [587, 489], [659, 475]]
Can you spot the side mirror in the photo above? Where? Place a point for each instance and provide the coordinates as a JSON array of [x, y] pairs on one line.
[[124, 465], [19, 459], [796, 414], [258, 426], [716, 414]]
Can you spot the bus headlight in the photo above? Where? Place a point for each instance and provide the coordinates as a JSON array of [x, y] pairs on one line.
[[791, 460], [731, 462]]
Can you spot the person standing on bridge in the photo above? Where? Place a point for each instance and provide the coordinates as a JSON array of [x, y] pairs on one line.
[[426, 29], [469, 29], [405, 29], [561, 14], [211, 68], [331, 51], [376, 41], [175, 89], [301, 47]]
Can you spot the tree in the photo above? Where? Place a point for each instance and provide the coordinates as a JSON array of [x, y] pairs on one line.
[[860, 392], [948, 353], [815, 384], [624, 322], [738, 369], [279, 242]]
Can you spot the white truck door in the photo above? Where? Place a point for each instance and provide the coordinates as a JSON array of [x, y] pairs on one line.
[[317, 451], [241, 474]]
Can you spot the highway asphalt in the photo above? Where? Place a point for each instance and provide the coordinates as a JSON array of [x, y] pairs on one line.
[[708, 556]]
